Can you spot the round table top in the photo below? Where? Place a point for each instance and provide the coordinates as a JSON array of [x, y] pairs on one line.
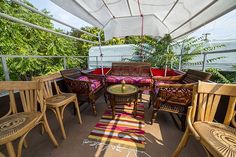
[[117, 90]]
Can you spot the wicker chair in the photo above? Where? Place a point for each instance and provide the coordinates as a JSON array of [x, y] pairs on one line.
[[217, 138], [174, 94], [16, 124], [59, 101]]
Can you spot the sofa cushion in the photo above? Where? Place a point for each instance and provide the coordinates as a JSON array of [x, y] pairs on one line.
[[129, 79]]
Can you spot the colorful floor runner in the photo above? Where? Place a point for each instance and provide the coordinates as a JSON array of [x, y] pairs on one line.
[[125, 130]]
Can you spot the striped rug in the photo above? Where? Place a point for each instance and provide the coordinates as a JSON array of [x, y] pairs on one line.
[[125, 130]]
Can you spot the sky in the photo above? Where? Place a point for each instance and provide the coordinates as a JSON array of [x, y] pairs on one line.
[[224, 28]]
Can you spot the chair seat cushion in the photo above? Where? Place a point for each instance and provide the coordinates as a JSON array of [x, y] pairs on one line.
[[95, 84], [129, 79], [219, 137], [60, 99], [14, 126]]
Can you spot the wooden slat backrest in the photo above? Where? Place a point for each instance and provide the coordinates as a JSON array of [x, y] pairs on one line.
[[28, 90], [131, 68], [192, 76], [47, 82], [207, 97], [74, 73]]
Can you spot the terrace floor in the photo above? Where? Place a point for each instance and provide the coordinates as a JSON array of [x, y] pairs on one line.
[[161, 138]]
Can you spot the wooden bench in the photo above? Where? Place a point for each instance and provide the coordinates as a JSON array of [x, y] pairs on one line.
[[136, 73]]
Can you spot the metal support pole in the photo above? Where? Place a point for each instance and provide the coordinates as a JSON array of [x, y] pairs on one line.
[[100, 48], [204, 62], [5, 68], [171, 63], [21, 3], [97, 61], [180, 57], [166, 67], [121, 58], [14, 19], [87, 58], [64, 60]]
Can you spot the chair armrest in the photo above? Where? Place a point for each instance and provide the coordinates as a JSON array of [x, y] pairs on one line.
[[167, 78], [151, 72], [75, 80], [108, 72], [233, 120], [189, 123]]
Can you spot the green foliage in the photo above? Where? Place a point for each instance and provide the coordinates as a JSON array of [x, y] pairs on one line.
[[157, 52], [17, 39]]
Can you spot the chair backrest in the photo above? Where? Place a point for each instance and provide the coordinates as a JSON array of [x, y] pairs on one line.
[[131, 69], [193, 76], [29, 92], [47, 82], [77, 86], [73, 73], [206, 100]]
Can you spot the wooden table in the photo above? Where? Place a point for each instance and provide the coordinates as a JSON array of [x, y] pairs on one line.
[[121, 94]]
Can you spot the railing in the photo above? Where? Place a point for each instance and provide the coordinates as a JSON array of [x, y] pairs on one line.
[[95, 61]]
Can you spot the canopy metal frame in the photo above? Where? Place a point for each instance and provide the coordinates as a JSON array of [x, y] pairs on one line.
[[177, 31]]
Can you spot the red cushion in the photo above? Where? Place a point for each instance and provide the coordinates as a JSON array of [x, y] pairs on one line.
[[161, 72], [98, 71]]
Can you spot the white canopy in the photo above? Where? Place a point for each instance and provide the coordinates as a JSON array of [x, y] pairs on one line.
[[119, 18]]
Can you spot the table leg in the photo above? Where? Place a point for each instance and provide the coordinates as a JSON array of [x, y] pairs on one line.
[[135, 108], [10, 150], [113, 109]]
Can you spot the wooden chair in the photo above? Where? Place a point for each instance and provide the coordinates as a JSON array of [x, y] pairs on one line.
[[2, 155], [58, 102], [16, 124], [173, 94], [87, 87], [218, 139]]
